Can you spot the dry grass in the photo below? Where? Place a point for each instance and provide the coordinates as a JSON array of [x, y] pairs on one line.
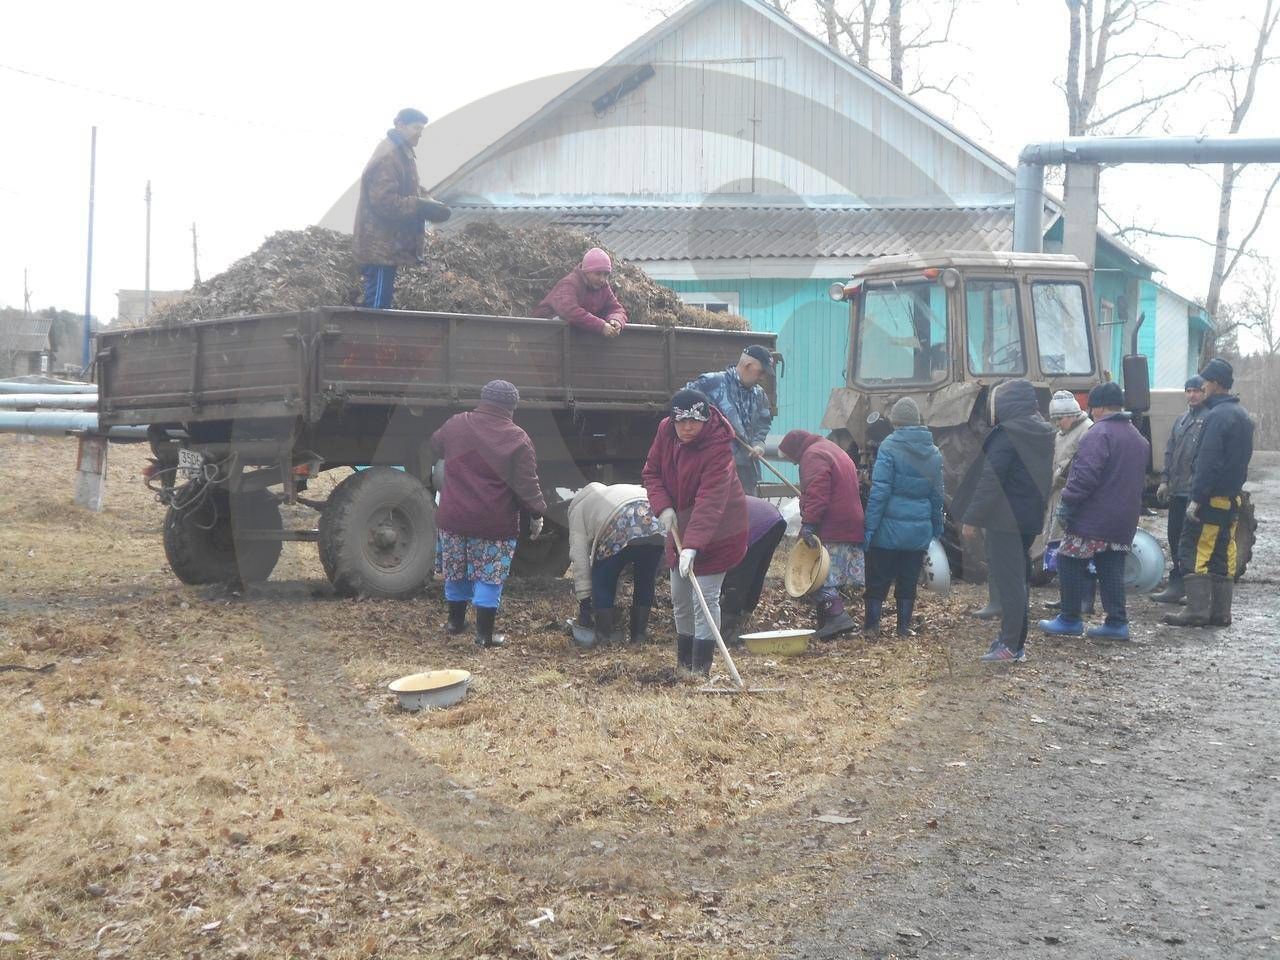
[[220, 775]]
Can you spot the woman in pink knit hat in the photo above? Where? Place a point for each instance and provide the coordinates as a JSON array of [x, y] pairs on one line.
[[585, 299]]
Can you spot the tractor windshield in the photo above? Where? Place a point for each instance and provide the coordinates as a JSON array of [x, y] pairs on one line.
[[902, 333]]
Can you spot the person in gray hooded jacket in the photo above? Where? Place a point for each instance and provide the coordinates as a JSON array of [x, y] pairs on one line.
[[1175, 482]]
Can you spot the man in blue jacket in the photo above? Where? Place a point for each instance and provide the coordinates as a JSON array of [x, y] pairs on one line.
[[1099, 511], [737, 393], [1208, 544]]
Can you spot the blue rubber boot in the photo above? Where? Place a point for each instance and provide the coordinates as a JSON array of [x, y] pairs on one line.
[[1060, 626], [1109, 631]]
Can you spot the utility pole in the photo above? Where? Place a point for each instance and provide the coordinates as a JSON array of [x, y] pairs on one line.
[[26, 294], [88, 279], [195, 254], [146, 290]]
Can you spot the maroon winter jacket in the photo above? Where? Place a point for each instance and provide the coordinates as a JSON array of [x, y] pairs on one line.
[[829, 498], [699, 481], [571, 299], [490, 472]]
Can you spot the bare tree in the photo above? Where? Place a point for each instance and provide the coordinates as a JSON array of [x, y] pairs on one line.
[[1112, 47], [893, 33], [1241, 85]]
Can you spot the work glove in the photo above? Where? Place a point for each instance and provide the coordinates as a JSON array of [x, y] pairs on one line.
[[758, 451], [1193, 512], [809, 536], [667, 520], [535, 528], [586, 616], [1162, 493], [687, 556]]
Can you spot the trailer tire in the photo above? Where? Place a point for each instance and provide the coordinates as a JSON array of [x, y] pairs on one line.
[[378, 535], [202, 547]]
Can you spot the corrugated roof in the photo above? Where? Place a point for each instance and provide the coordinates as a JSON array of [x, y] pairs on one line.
[[656, 233], [25, 334]]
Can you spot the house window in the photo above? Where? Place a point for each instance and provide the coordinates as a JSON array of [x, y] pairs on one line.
[[709, 300], [1106, 313]]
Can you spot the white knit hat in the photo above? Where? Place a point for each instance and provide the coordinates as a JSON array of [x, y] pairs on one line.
[[1064, 404]]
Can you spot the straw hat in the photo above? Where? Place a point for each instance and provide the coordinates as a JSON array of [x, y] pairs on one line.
[[807, 569]]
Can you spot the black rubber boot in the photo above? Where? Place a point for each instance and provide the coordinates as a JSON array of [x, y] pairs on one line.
[[1199, 603], [457, 617], [704, 651], [1174, 592], [905, 608], [639, 632], [605, 625], [484, 627], [684, 655], [871, 616], [1220, 590]]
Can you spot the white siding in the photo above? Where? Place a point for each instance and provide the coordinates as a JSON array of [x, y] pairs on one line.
[[1171, 341], [822, 129]]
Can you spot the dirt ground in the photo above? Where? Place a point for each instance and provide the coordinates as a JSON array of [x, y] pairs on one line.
[[214, 774]]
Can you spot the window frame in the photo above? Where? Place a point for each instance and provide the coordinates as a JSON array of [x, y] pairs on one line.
[[855, 345], [1090, 342], [700, 298], [1022, 331]]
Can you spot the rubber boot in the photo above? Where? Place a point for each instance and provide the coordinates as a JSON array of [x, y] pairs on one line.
[[684, 655], [905, 608], [989, 612], [1173, 592], [871, 616], [605, 618], [457, 617], [1199, 603], [1221, 589], [730, 627], [704, 651], [835, 620], [639, 632], [484, 627]]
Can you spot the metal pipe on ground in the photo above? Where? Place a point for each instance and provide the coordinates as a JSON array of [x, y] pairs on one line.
[[26, 386], [1029, 198], [60, 423], [55, 401]]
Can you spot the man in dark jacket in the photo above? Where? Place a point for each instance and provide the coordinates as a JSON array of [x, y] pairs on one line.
[[491, 473], [1175, 483], [1006, 493], [1099, 511], [738, 394], [392, 210], [585, 299], [1208, 542]]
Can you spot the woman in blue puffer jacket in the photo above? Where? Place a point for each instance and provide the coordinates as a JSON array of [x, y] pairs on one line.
[[904, 513]]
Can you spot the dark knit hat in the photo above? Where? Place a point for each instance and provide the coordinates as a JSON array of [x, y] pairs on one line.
[[1220, 372], [410, 115], [690, 405], [905, 413], [1106, 394], [501, 392], [1195, 382]]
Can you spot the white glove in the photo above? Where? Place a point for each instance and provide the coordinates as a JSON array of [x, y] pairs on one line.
[[758, 451], [687, 556], [667, 520], [535, 528], [1193, 512]]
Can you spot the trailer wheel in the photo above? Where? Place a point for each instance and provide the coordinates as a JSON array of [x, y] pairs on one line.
[[201, 543], [378, 535]]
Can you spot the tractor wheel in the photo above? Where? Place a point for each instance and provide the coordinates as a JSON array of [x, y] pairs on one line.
[[204, 544], [378, 535]]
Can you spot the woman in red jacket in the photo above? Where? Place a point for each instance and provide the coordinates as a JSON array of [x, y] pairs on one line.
[[831, 510], [491, 472], [693, 489]]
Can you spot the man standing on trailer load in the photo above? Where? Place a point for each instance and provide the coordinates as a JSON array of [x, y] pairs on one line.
[[737, 393], [392, 210], [585, 299], [1175, 484], [1208, 543]]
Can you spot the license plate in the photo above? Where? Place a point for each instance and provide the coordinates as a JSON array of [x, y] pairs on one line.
[[190, 464]]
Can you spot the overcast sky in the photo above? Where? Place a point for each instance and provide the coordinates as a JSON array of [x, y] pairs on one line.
[[254, 117]]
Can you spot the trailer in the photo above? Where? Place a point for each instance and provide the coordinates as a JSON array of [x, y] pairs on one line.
[[242, 413]]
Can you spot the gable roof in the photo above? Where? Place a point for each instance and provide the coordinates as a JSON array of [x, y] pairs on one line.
[[25, 334], [625, 59]]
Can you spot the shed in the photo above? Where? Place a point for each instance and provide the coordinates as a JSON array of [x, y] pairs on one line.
[[24, 345]]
